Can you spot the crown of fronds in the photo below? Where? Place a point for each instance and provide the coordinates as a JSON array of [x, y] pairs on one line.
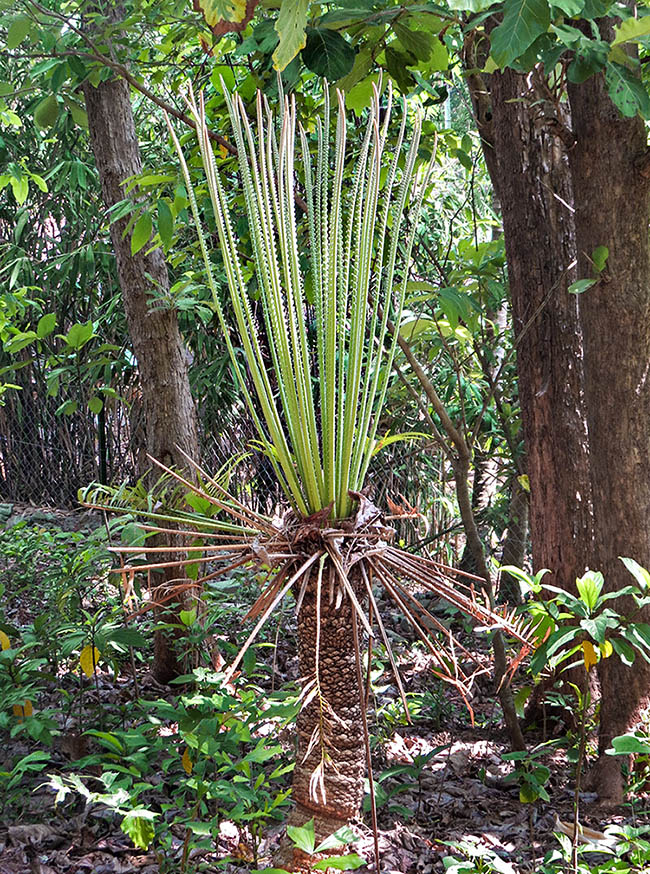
[[320, 391]]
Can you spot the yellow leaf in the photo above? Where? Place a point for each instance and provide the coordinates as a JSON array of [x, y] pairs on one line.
[[606, 649], [187, 762], [290, 27], [223, 151], [24, 709], [88, 659], [589, 654], [5, 643]]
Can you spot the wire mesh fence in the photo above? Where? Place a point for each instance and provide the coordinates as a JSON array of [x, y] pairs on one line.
[[48, 454]]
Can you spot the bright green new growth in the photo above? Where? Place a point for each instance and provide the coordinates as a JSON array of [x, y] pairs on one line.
[[320, 400]]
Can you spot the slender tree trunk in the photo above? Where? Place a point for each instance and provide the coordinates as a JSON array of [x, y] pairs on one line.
[[483, 489], [333, 716], [613, 210], [523, 144], [169, 409], [514, 546]]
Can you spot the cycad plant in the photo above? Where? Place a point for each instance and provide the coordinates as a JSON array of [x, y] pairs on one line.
[[318, 367]]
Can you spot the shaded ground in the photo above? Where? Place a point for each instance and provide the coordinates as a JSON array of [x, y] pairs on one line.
[[440, 780]]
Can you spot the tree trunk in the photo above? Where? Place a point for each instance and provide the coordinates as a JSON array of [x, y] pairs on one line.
[[483, 489], [342, 747], [527, 162], [514, 545], [169, 409], [613, 210]]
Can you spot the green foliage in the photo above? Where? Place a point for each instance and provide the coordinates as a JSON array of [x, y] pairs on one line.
[[320, 459]]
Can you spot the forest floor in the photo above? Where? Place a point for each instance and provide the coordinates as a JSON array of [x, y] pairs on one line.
[[443, 787]]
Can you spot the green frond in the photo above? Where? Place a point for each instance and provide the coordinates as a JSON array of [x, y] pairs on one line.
[[319, 440]]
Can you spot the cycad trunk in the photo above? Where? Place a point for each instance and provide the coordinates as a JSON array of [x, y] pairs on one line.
[[329, 727]]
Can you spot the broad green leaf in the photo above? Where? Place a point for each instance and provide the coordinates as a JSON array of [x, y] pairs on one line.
[[580, 286], [47, 112], [589, 588], [200, 828], [624, 650], [521, 696], [591, 57], [125, 636], [359, 97], [597, 627], [569, 7], [528, 794], [95, 404], [631, 30], [138, 826], [344, 835], [188, 617], [439, 59], [625, 744], [141, 233], [109, 739], [599, 256], [340, 863], [627, 91], [165, 224], [290, 27], [18, 30], [46, 325], [418, 42], [79, 334], [523, 21], [303, 836], [20, 188], [397, 64], [639, 573], [19, 341], [327, 54], [470, 5]]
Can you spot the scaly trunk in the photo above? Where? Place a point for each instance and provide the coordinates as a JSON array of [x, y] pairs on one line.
[[170, 415], [337, 711], [613, 210]]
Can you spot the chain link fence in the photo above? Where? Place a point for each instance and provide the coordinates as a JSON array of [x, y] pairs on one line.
[[47, 455]]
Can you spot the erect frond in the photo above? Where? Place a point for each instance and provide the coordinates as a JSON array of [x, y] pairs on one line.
[[359, 259]]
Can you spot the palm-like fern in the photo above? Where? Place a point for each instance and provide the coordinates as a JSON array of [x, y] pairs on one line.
[[358, 276], [333, 543]]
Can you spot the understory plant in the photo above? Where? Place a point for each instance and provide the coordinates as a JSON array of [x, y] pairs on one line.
[[318, 357]]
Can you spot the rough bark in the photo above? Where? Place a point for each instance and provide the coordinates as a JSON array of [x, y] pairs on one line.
[[169, 410], [613, 209], [527, 161], [342, 731]]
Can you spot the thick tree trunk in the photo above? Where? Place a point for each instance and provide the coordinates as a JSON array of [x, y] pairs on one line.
[[330, 727], [527, 162], [169, 409], [613, 210]]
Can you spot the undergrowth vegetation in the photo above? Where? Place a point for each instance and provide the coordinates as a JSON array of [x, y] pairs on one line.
[[199, 776]]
